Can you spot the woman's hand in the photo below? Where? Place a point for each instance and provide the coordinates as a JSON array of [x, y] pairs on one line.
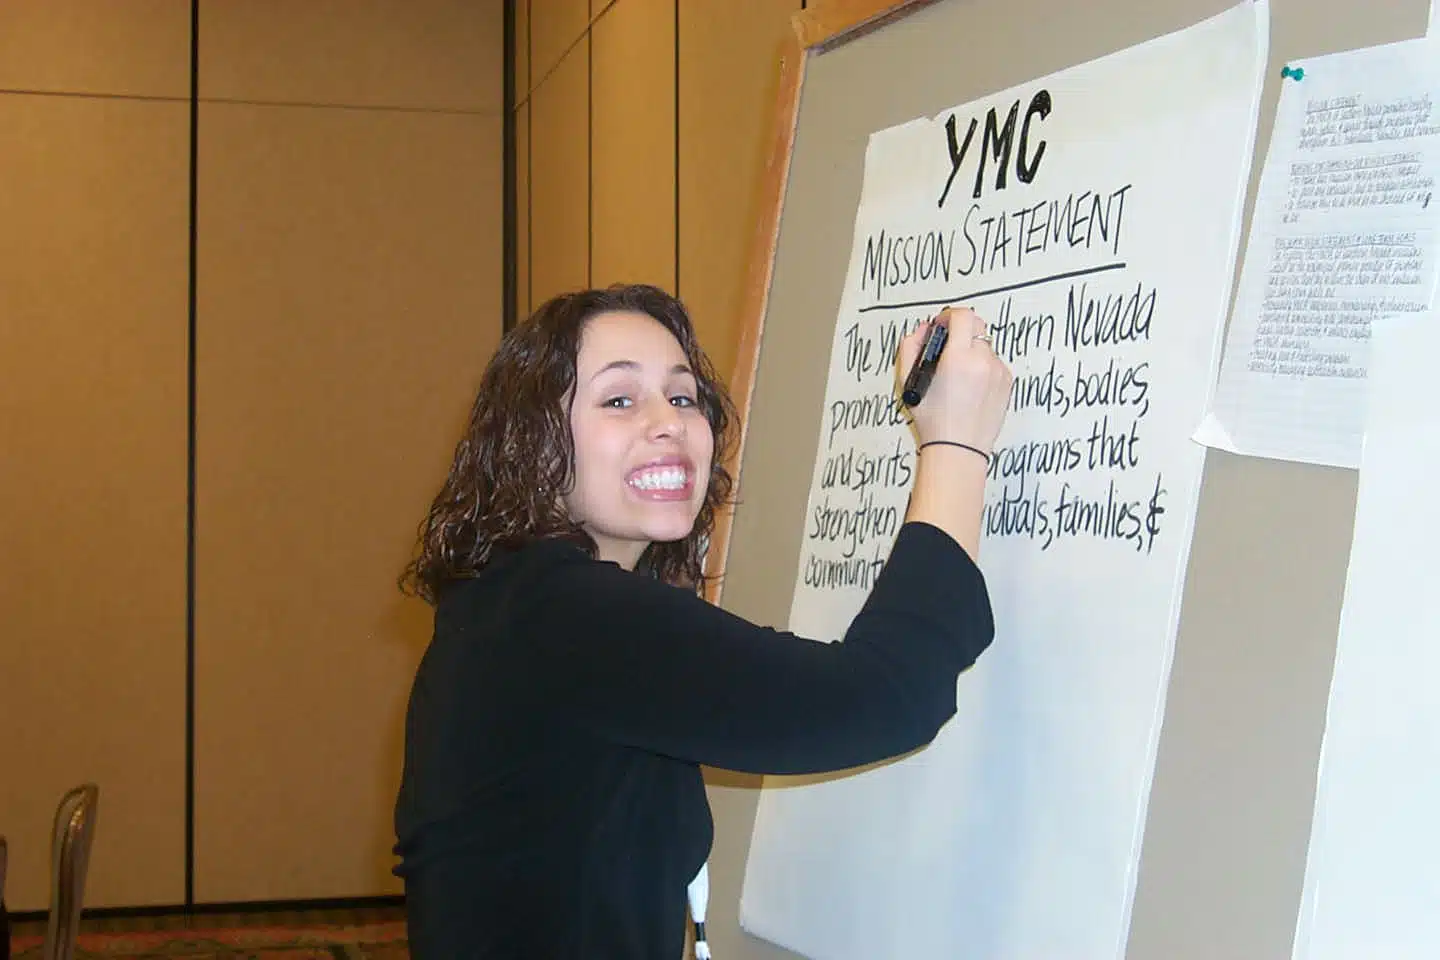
[[970, 393], [966, 404]]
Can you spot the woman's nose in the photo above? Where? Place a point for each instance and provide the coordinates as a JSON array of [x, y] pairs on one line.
[[664, 419]]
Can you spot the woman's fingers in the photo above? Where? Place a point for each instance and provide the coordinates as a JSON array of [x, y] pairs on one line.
[[910, 349], [967, 331], [974, 326]]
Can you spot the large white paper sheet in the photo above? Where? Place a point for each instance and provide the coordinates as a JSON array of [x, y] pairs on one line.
[[1372, 880], [1100, 247], [1343, 234]]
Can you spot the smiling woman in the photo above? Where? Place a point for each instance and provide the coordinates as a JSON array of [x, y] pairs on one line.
[[641, 438], [552, 803], [570, 397]]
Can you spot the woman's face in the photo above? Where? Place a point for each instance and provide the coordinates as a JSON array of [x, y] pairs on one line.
[[642, 443]]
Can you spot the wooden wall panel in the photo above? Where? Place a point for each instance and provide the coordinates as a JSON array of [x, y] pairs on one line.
[[728, 74], [560, 179], [432, 54], [93, 341], [522, 211], [555, 26], [633, 156], [349, 297], [139, 48]]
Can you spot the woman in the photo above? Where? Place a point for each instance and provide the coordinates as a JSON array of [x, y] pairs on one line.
[[552, 804]]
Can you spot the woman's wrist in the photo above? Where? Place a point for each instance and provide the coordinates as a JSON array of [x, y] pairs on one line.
[[981, 452], [949, 492]]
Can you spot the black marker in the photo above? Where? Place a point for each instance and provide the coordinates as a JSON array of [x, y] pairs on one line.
[[918, 380]]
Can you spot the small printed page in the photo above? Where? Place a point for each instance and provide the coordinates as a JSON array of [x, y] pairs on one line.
[[1343, 235]]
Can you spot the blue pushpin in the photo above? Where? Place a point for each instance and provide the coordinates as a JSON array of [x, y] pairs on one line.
[[1297, 73]]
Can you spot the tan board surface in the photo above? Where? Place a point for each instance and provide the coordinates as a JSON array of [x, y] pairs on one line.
[[425, 54], [350, 292], [139, 48], [560, 178], [93, 333], [632, 153]]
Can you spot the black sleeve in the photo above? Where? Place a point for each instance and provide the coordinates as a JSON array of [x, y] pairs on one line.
[[658, 668]]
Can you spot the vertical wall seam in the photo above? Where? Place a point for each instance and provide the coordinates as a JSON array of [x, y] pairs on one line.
[[590, 155], [529, 163], [676, 28], [508, 240], [190, 453]]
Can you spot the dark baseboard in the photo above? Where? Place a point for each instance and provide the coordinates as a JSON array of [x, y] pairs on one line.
[[242, 906]]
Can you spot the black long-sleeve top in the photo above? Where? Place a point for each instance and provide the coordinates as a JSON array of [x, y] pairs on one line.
[[552, 805]]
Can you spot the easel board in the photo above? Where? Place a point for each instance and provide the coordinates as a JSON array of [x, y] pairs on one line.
[[1229, 812]]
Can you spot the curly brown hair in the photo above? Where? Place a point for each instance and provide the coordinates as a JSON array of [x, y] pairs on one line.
[[517, 457]]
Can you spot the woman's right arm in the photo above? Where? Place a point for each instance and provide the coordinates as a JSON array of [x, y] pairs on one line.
[[956, 425], [660, 669], [642, 664]]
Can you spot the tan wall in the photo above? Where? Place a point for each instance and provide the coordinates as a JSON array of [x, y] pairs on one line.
[[348, 294], [647, 131], [640, 138]]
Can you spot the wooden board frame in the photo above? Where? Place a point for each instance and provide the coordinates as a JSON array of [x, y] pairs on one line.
[[823, 26]]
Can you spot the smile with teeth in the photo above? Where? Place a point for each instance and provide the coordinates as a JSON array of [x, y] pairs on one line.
[[659, 478]]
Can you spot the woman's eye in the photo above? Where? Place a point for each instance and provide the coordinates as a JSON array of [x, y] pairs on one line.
[[683, 401], [617, 402]]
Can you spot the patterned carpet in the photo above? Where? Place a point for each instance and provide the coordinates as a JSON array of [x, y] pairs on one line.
[[380, 941]]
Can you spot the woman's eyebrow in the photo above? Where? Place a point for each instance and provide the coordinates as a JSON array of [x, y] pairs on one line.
[[679, 368], [616, 365]]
